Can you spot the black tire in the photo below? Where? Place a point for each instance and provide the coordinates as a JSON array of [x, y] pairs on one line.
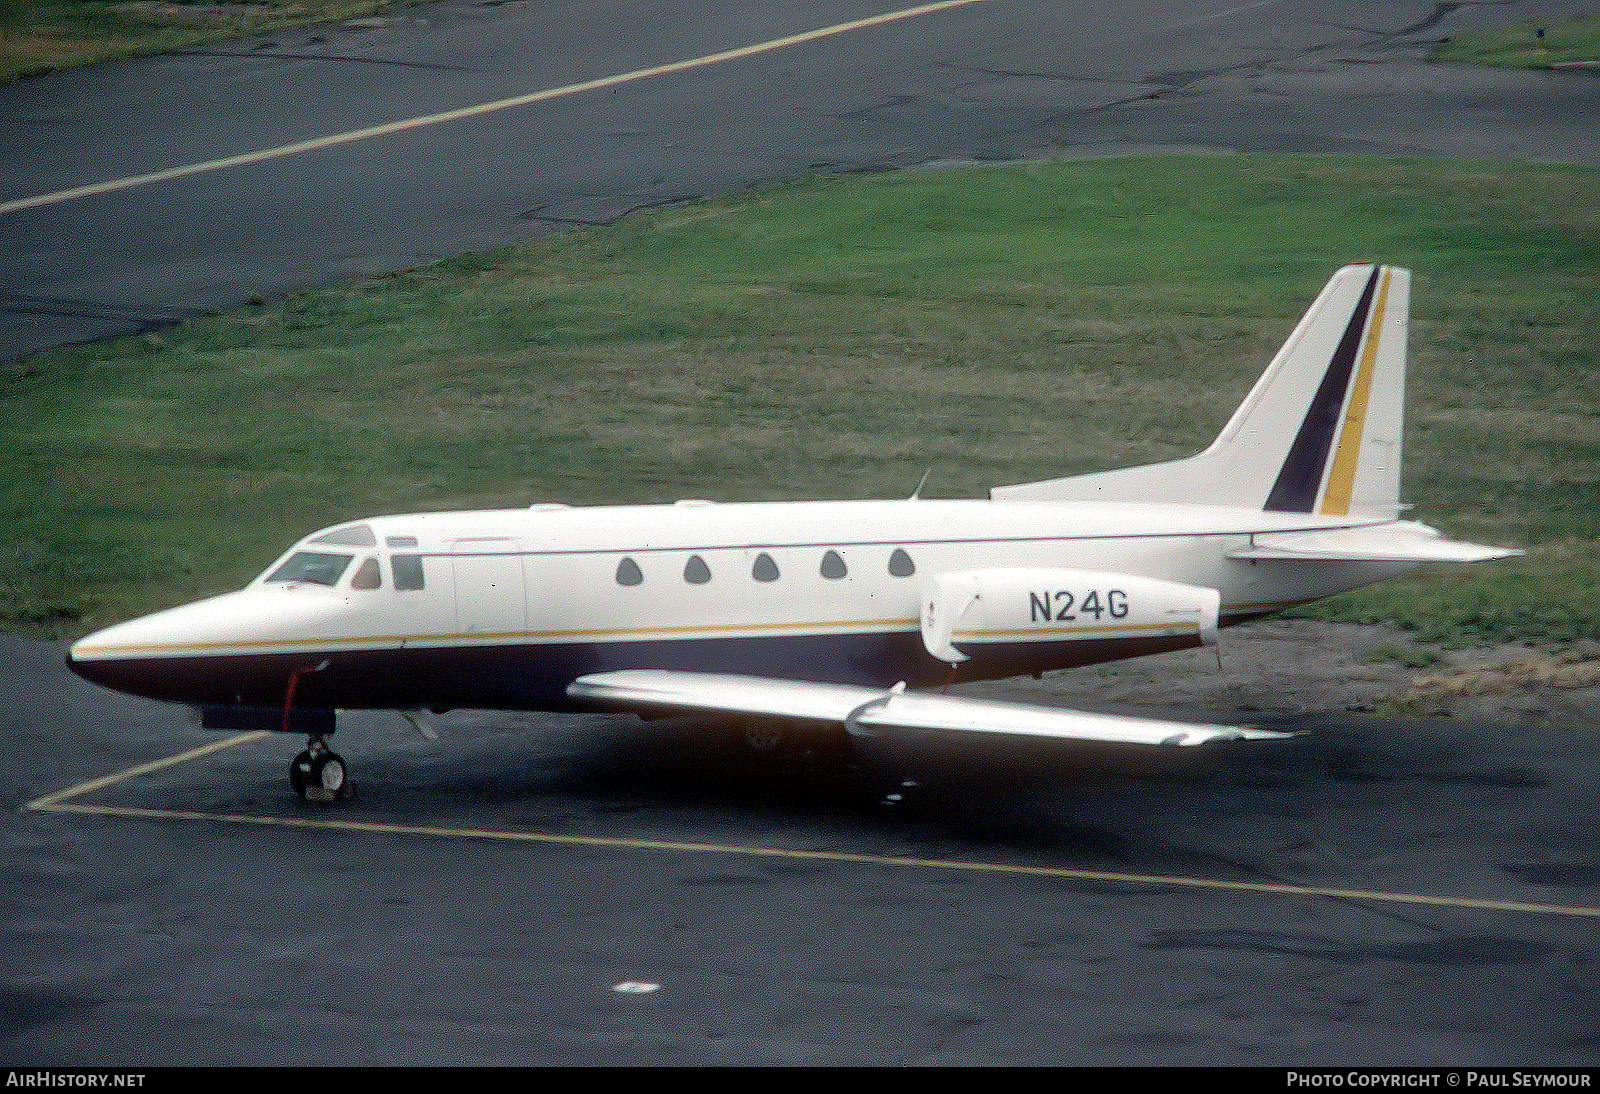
[[300, 774], [766, 736], [321, 778]]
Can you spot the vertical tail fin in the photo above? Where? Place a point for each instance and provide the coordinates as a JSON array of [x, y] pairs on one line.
[[1319, 433]]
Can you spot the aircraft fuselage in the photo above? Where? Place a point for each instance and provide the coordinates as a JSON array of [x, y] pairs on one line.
[[504, 609]]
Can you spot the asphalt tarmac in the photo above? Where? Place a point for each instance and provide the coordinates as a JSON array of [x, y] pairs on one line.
[[1376, 892], [989, 79], [1421, 893]]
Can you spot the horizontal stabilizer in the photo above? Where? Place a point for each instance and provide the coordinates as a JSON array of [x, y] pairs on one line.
[[864, 710], [1402, 541]]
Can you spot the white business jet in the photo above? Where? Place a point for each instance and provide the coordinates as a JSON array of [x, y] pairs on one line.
[[821, 615]]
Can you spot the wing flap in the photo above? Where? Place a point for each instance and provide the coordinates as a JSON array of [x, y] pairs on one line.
[[1402, 541], [869, 710]]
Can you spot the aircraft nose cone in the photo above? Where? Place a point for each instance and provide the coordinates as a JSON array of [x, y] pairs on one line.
[[108, 659], [197, 653], [237, 648], [91, 671], [117, 673]]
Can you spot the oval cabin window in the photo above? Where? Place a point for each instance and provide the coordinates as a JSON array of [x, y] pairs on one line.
[[628, 572], [900, 564], [764, 569], [695, 571]]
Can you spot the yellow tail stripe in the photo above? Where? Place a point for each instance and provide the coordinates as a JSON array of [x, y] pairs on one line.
[[1336, 497]]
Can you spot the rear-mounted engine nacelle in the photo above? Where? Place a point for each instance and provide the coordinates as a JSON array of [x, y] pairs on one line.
[[970, 612]]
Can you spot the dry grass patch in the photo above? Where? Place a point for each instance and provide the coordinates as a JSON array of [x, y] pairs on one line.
[[1575, 668]]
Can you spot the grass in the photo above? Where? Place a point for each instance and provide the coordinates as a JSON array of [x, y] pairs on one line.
[[836, 338], [1411, 657], [1567, 41], [39, 36]]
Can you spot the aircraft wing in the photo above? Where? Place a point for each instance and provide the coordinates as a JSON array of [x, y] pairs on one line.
[[866, 711], [1401, 541]]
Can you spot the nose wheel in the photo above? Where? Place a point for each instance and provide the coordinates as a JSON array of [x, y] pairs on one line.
[[320, 775]]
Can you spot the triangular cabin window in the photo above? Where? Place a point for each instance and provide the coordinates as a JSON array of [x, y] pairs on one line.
[[833, 566]]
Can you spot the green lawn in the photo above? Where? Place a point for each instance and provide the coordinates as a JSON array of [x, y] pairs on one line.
[[836, 338], [1568, 41], [38, 36]]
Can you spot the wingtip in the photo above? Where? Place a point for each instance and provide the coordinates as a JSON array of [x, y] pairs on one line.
[[1203, 735], [1256, 733]]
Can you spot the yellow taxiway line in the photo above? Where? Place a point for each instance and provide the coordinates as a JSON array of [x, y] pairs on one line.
[[52, 801], [479, 109], [62, 802]]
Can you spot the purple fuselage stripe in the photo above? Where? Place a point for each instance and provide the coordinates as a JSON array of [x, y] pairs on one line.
[[535, 677]]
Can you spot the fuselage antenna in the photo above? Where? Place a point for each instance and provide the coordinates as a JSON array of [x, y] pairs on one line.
[[916, 495]]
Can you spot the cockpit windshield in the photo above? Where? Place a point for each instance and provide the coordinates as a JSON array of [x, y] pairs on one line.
[[311, 567]]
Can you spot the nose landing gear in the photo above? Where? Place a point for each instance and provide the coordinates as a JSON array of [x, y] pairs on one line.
[[319, 775]]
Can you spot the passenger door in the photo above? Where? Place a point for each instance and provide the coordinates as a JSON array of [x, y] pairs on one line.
[[490, 592]]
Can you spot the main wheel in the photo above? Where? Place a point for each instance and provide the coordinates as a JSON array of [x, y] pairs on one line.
[[768, 736], [321, 777]]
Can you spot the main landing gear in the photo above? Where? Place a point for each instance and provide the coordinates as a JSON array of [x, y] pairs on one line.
[[319, 775], [793, 742], [818, 749]]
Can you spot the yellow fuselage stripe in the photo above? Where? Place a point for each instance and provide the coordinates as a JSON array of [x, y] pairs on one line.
[[395, 640], [832, 626], [1155, 629]]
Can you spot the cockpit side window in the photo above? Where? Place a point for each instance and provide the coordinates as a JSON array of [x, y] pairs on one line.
[[311, 568], [407, 572], [368, 576]]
